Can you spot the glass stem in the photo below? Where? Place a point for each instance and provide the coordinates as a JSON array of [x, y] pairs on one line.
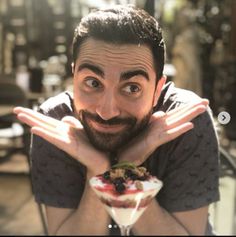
[[124, 230]]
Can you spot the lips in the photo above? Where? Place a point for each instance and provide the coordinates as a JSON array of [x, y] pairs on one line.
[[106, 128]]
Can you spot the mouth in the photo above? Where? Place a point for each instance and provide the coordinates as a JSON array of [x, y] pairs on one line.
[[106, 128]]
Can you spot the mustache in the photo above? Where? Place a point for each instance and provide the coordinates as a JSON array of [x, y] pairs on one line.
[[113, 121]]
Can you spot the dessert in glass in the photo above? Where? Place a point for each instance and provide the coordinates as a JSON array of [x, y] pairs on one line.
[[125, 191]]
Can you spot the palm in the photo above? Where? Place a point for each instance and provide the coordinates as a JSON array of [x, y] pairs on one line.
[[68, 135]]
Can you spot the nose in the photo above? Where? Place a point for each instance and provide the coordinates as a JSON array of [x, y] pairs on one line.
[[107, 107]]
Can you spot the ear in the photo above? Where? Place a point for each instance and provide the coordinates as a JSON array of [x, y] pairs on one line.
[[161, 82], [72, 68]]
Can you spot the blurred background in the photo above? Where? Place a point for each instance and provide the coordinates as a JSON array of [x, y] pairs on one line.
[[35, 58]]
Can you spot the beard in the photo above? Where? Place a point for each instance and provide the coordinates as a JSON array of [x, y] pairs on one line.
[[111, 142]]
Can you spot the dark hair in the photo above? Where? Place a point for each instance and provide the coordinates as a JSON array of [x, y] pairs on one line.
[[121, 25]]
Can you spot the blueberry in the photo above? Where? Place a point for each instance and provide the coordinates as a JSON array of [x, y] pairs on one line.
[[134, 177], [142, 178], [118, 180], [106, 175], [128, 173], [120, 187]]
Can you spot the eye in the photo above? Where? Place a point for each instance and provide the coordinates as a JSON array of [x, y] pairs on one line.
[[93, 83], [132, 89]]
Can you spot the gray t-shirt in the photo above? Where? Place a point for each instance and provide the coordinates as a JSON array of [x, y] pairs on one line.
[[188, 165]]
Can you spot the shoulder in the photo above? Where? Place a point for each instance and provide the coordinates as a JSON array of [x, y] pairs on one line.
[[58, 106], [178, 97], [175, 97], [185, 96], [172, 97]]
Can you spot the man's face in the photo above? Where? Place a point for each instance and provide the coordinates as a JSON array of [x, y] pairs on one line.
[[114, 91]]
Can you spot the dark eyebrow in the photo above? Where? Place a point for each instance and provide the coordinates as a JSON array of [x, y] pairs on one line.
[[97, 70], [130, 74]]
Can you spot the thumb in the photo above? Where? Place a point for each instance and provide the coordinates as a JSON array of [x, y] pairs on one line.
[[157, 115], [72, 121]]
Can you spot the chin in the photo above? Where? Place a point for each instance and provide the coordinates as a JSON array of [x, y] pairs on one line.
[[108, 142]]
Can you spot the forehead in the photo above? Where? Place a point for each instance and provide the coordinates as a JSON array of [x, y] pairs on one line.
[[120, 55]]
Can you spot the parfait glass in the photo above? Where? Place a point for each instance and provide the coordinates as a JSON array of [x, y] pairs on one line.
[[125, 208]]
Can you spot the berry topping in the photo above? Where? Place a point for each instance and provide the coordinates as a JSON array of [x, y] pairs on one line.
[[120, 187], [134, 177], [118, 180], [124, 174], [106, 175], [128, 173]]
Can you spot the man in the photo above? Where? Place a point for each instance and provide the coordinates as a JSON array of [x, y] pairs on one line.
[[122, 109]]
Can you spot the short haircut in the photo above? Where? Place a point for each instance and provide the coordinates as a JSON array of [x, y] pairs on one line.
[[122, 25]]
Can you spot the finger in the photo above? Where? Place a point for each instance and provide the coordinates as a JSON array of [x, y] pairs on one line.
[[18, 109], [31, 121], [75, 127], [158, 115], [72, 121], [175, 113], [185, 117], [36, 116], [183, 108], [175, 132]]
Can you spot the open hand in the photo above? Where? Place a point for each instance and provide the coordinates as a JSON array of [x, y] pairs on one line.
[[68, 135], [163, 127]]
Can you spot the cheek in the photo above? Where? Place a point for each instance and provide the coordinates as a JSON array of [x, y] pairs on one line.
[[82, 100], [137, 108]]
